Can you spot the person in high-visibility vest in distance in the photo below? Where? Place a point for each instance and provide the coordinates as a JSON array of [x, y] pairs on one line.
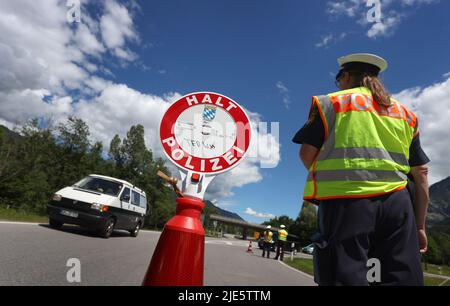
[[282, 239], [358, 145], [267, 241]]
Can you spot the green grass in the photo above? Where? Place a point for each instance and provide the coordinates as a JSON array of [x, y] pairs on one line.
[[302, 264], [306, 265], [431, 281], [20, 215], [434, 269]]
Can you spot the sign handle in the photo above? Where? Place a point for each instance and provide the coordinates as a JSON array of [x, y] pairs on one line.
[[172, 181]]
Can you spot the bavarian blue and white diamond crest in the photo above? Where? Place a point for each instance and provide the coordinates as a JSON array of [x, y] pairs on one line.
[[209, 113]]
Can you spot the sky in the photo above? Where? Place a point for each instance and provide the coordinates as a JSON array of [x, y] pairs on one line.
[[125, 62]]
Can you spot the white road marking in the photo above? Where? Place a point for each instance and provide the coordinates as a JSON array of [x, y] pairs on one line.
[[221, 242], [298, 271], [149, 231], [34, 223], [21, 223]]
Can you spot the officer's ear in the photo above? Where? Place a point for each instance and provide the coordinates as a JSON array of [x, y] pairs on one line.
[[347, 77], [347, 80]]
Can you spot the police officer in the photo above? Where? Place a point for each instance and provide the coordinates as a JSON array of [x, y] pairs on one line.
[[282, 239], [267, 241], [359, 144]]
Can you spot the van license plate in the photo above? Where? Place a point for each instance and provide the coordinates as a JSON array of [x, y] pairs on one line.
[[69, 213]]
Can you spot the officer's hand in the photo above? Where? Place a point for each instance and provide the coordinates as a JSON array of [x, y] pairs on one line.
[[423, 241]]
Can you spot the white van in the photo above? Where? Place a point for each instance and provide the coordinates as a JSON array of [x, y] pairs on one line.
[[99, 202]]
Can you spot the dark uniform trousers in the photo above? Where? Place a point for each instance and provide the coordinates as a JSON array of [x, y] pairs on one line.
[[266, 248], [280, 249], [352, 231]]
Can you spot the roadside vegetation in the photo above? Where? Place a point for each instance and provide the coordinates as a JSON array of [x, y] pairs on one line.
[[41, 158], [306, 265]]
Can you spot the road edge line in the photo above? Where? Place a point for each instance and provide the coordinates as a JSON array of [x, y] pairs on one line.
[[301, 272], [20, 222], [37, 223]]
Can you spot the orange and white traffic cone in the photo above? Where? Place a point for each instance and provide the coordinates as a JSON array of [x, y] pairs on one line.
[[249, 249], [179, 255]]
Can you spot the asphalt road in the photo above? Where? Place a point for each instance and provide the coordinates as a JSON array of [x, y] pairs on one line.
[[33, 254]]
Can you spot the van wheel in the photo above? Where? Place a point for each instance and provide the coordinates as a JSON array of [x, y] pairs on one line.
[[135, 232], [55, 224], [108, 229]]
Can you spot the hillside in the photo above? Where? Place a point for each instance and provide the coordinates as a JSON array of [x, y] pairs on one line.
[[8, 133], [222, 212], [439, 210]]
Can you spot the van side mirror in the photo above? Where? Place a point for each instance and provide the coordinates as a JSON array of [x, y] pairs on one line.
[[125, 197]]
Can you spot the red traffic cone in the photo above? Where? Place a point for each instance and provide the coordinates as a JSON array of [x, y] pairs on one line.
[[249, 249], [179, 254]]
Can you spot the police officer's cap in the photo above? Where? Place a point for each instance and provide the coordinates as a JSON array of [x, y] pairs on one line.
[[364, 62], [282, 226], [269, 227]]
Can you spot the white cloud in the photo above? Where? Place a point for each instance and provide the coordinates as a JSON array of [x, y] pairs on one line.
[[253, 213], [349, 8], [284, 91], [44, 58], [117, 28], [35, 51], [386, 27], [39, 48], [392, 14], [18, 106], [327, 40], [264, 152], [418, 2], [87, 41], [432, 106], [117, 107]]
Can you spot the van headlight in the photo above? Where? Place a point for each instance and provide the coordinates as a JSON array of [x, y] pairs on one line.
[[100, 207], [56, 197]]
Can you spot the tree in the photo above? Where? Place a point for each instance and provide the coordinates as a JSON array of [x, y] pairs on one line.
[[73, 147], [133, 161], [138, 159], [43, 159], [306, 224], [115, 151], [434, 253], [24, 183], [277, 221], [74, 135], [207, 212], [6, 155]]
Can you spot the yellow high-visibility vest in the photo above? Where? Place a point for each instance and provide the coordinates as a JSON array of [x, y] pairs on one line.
[[282, 235], [366, 148], [268, 236]]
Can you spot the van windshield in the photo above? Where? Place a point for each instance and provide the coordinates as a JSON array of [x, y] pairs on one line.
[[100, 185]]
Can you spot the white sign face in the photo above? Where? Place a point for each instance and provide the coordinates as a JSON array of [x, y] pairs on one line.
[[205, 132], [205, 136]]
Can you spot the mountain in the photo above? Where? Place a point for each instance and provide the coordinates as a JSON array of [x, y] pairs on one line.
[[439, 209], [8, 133], [222, 212]]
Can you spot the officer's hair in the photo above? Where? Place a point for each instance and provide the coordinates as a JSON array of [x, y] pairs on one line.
[[374, 84]]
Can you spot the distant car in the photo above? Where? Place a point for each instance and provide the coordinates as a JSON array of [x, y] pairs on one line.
[[308, 249], [288, 248]]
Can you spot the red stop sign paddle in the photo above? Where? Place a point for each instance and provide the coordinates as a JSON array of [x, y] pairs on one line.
[[205, 132]]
